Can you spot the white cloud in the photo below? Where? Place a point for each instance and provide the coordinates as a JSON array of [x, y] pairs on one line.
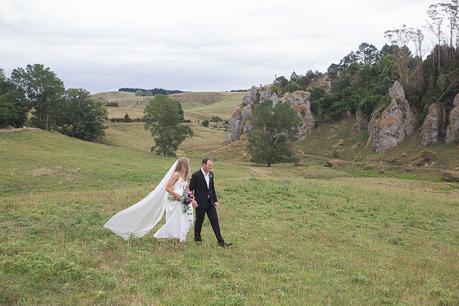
[[193, 45]]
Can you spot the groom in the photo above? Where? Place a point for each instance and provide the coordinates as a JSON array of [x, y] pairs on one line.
[[202, 184]]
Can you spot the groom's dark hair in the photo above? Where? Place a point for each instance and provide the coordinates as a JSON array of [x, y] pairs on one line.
[[205, 160]]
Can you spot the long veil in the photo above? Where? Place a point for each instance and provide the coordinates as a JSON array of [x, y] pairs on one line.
[[139, 219]]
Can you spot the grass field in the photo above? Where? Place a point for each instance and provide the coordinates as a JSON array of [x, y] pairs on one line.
[[197, 107], [302, 235]]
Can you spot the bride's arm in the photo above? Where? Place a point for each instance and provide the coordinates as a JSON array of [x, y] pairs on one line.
[[170, 186]]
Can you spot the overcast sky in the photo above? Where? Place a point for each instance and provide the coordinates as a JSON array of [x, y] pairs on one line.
[[195, 45]]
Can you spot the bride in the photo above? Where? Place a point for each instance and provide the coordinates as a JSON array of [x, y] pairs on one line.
[[138, 219]]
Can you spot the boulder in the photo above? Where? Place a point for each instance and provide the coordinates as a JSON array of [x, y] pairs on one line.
[[425, 157], [389, 126], [335, 163], [434, 124], [451, 176], [452, 131]]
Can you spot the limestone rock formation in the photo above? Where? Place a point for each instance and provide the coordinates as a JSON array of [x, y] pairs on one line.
[[434, 124], [452, 131], [299, 100], [388, 127]]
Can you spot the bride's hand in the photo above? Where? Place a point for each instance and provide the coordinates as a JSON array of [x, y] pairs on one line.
[[177, 197], [194, 203]]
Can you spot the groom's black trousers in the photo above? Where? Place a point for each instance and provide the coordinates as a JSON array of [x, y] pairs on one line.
[[211, 212]]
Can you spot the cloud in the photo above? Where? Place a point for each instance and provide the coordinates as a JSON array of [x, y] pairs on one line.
[[192, 45]]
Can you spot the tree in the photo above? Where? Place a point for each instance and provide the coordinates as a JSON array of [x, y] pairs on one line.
[[82, 116], [163, 119], [367, 54], [205, 123], [272, 127], [13, 104], [44, 90]]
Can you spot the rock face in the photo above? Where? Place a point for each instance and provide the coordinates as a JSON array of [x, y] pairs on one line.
[[299, 100], [452, 131], [434, 124], [388, 127], [238, 123], [361, 121]]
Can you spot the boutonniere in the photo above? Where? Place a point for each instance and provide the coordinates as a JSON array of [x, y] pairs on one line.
[[210, 175]]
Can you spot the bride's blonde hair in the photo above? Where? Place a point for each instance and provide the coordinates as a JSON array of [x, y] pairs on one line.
[[183, 167]]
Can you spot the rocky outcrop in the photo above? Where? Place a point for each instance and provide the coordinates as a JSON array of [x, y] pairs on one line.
[[452, 131], [434, 125], [238, 123], [299, 100], [322, 83], [361, 121], [388, 127]]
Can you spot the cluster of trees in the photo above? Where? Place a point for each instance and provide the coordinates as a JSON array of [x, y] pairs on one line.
[[214, 119], [238, 90], [150, 92], [281, 84], [36, 97], [126, 118]]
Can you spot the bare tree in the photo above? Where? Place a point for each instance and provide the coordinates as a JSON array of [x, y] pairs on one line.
[[401, 37], [435, 21], [450, 12]]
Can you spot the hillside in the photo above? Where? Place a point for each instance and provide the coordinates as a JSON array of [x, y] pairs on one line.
[[197, 107], [200, 105], [329, 140]]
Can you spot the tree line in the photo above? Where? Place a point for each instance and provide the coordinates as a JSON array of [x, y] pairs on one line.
[[34, 96], [150, 92], [359, 81]]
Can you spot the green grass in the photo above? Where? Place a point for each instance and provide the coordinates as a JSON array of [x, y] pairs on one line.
[[197, 107], [303, 235]]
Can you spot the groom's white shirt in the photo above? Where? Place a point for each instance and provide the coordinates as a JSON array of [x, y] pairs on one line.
[[206, 177]]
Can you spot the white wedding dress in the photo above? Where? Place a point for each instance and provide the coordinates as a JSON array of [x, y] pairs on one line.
[[179, 218], [138, 219]]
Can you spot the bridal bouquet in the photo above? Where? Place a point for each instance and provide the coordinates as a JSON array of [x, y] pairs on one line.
[[186, 199]]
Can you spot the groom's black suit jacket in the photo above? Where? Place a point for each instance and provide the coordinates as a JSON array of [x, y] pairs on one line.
[[202, 194]]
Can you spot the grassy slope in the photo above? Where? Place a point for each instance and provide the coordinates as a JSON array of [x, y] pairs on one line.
[[324, 139], [302, 234], [197, 107]]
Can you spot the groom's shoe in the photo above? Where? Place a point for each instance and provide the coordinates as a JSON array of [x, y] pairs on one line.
[[224, 244], [197, 240]]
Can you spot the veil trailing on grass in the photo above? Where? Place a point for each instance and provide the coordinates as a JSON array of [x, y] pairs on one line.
[[139, 219]]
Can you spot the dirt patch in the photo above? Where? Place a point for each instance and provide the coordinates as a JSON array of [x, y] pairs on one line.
[[55, 171], [12, 130]]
